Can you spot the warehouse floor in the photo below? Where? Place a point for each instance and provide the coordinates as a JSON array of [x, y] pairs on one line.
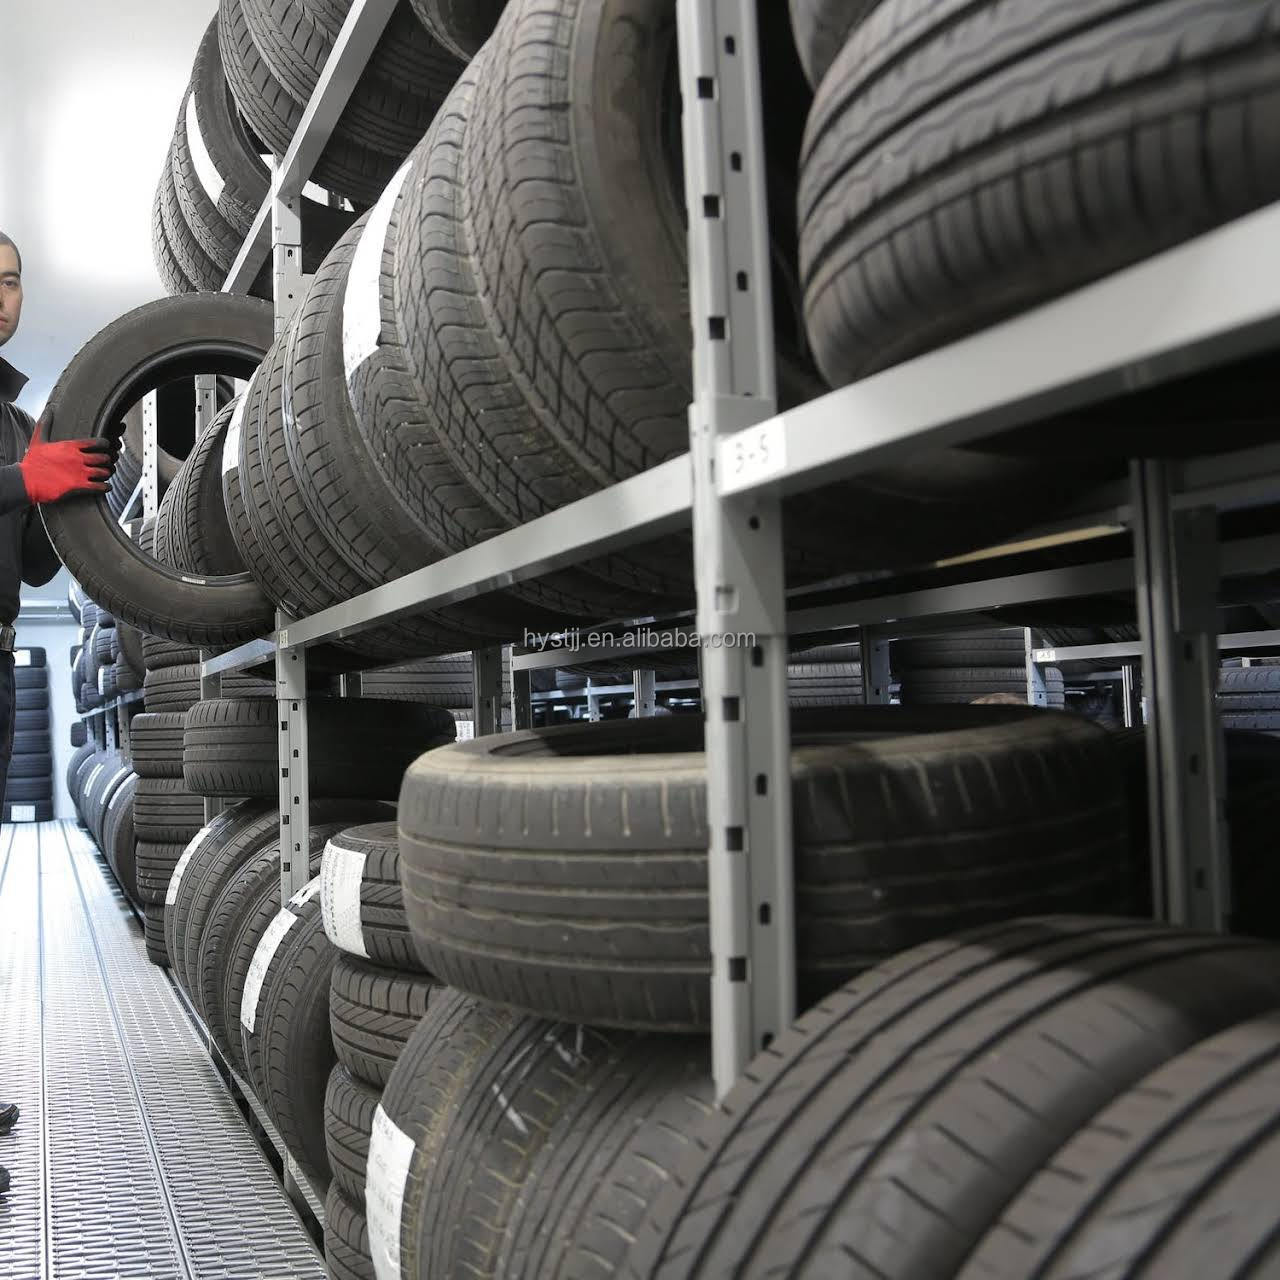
[[131, 1158]]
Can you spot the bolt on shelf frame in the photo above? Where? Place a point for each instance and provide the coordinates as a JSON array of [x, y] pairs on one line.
[[1201, 304]]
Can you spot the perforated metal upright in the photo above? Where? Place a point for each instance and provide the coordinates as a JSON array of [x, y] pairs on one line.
[[737, 541]]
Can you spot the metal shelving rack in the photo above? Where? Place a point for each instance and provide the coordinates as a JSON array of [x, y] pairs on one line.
[[1199, 305]]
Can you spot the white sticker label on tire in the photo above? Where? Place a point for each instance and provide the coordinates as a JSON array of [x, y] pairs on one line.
[[341, 874], [261, 966], [362, 302], [231, 445], [22, 658], [390, 1155], [180, 870], [466, 730], [304, 895], [22, 813], [206, 170]]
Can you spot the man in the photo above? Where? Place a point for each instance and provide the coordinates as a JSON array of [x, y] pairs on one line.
[[32, 471]]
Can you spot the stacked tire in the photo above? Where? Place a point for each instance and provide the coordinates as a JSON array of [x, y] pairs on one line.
[[1249, 698], [28, 793], [938, 670]]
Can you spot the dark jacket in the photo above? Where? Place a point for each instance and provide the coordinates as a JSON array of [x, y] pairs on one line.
[[26, 555]]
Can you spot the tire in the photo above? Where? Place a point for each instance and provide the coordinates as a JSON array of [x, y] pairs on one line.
[[997, 648], [177, 689], [583, 1113], [373, 1012], [35, 765], [29, 790], [126, 679], [939, 687], [346, 1238], [28, 811], [232, 333], [159, 653], [153, 932], [38, 677], [157, 744], [358, 748], [165, 812], [821, 28], [361, 898], [1171, 1179], [118, 836], [461, 26], [942, 185], [31, 699], [82, 753], [131, 649], [155, 864], [601, 917], [33, 741], [285, 1032], [201, 273], [947, 1078], [246, 906], [349, 1105]]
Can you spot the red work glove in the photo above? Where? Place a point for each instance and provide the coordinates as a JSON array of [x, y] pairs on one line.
[[51, 471]]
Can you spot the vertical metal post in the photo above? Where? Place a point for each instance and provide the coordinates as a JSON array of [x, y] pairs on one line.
[[150, 456], [645, 693], [286, 251], [210, 688], [295, 780], [737, 541], [1131, 696], [109, 723], [877, 678], [593, 703], [1176, 563], [1037, 694], [486, 673], [521, 699], [206, 402]]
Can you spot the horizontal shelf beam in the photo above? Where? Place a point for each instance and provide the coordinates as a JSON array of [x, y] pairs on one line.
[[252, 654], [1236, 640], [1200, 304]]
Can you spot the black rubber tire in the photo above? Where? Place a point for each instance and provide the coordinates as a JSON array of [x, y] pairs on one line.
[[289, 1052], [932, 687], [38, 677], [127, 680], [131, 649], [461, 26], [118, 840], [31, 765], [582, 1114], [966, 162], [31, 656], [373, 1011], [821, 28], [997, 648], [79, 734], [345, 166], [946, 1078], [159, 653], [33, 741], [564, 870], [192, 532], [177, 689], [246, 906], [166, 812], [37, 811], [373, 904], [358, 747], [29, 790], [1171, 1179], [155, 863], [153, 933], [220, 334], [346, 1238], [31, 699], [349, 1106], [215, 235], [157, 744]]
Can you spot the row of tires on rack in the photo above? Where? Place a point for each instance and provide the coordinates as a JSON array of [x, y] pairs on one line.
[[28, 794]]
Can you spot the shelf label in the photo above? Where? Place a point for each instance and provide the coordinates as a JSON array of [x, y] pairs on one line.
[[341, 874], [171, 896], [390, 1156], [22, 813], [261, 966], [1044, 655], [747, 457], [206, 171], [362, 301]]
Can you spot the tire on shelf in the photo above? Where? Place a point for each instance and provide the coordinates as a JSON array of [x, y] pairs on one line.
[[153, 933], [461, 26], [373, 1011], [156, 739], [1201, 1129], [895, 1073], [349, 1106], [346, 1238], [936, 194], [177, 689], [284, 1028], [159, 653], [166, 812], [362, 899], [821, 28], [223, 334], [118, 837], [617, 933], [156, 863], [598, 1110]]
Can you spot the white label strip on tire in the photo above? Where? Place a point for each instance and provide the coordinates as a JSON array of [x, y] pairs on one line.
[[390, 1155], [22, 813], [93, 773], [362, 301], [210, 179], [175, 880], [261, 966], [231, 445], [22, 658], [304, 895], [341, 874], [465, 730]]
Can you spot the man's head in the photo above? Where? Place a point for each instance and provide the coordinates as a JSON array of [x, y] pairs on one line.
[[10, 288]]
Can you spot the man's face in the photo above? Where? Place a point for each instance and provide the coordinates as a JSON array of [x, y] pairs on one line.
[[10, 293]]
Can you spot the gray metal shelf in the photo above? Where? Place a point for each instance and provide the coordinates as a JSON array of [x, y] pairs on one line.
[[1190, 309]]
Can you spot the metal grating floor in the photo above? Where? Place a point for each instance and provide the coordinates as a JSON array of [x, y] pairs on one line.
[[131, 1159]]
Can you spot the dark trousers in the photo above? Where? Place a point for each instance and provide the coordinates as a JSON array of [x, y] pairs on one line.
[[8, 714]]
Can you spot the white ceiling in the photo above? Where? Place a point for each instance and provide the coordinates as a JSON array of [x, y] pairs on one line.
[[89, 93]]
